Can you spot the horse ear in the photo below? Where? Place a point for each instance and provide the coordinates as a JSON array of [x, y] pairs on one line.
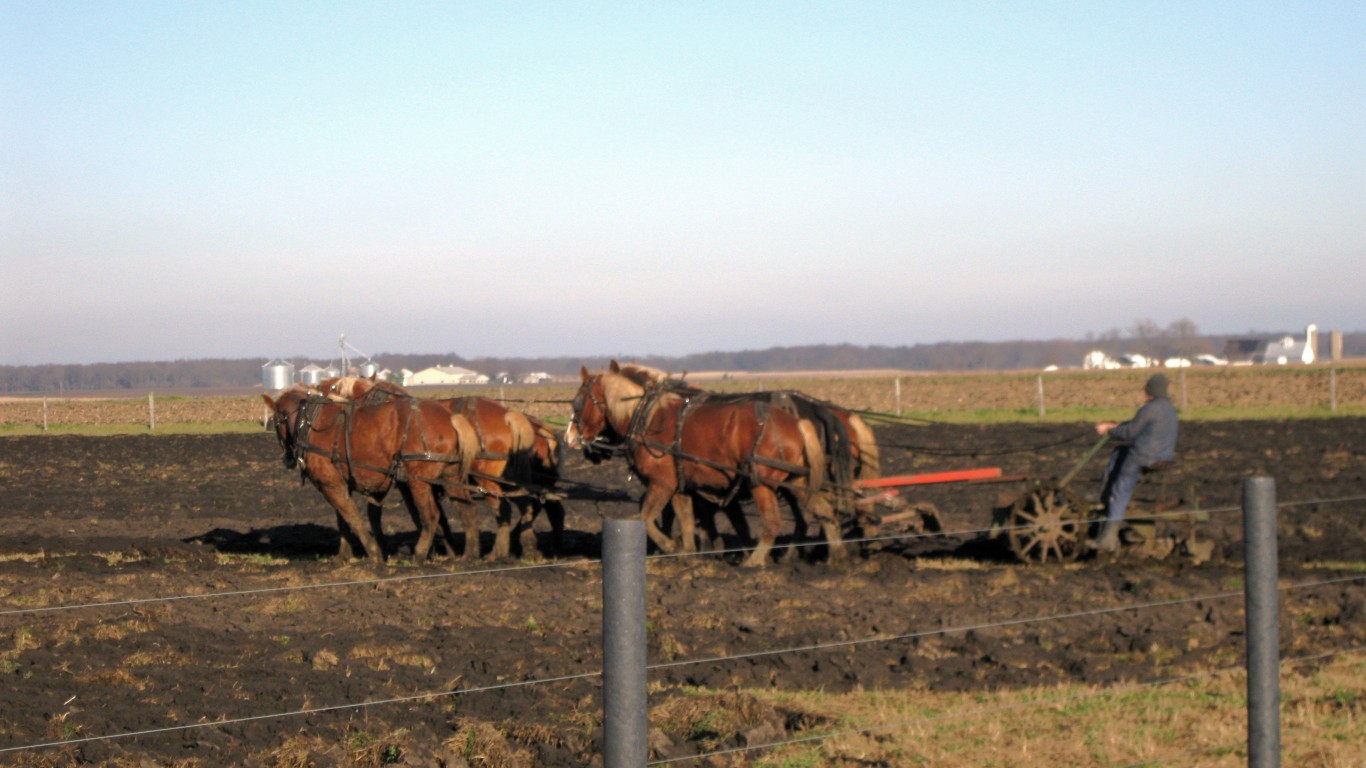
[[269, 402], [614, 368], [374, 376], [583, 373]]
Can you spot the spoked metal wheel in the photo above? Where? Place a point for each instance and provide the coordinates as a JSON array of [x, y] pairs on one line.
[[1047, 524]]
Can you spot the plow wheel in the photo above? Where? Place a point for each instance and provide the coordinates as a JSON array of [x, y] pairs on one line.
[[1047, 524]]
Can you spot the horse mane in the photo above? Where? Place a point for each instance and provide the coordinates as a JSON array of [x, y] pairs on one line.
[[643, 375], [345, 387], [623, 394]]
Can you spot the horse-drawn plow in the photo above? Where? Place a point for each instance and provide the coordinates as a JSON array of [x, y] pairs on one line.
[[1045, 520], [821, 458]]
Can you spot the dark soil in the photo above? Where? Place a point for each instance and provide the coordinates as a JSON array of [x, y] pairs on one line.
[[116, 523]]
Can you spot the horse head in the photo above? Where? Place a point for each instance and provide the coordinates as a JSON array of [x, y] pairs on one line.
[[590, 424], [287, 413]]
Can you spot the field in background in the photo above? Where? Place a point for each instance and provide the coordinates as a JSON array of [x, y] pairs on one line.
[[1202, 393]]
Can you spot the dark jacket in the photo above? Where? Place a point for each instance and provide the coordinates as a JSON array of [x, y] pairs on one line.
[[1150, 434]]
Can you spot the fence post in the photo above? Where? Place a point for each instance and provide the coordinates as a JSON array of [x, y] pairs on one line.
[[1183, 390], [1041, 396], [1262, 595], [1333, 389], [896, 387], [151, 413], [625, 717], [45, 414]]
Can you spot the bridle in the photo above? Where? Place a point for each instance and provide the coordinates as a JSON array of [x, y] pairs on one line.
[[599, 446]]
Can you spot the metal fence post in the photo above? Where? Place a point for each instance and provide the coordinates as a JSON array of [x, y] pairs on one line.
[[625, 717], [1263, 623]]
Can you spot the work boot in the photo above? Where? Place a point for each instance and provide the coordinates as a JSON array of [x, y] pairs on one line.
[[1108, 540]]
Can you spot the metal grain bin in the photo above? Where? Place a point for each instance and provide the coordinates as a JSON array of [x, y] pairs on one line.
[[310, 375], [277, 374], [368, 369]]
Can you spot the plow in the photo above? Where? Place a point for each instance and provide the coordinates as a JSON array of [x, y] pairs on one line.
[[1044, 520]]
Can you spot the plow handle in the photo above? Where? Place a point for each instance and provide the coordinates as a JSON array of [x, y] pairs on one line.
[[1084, 460]]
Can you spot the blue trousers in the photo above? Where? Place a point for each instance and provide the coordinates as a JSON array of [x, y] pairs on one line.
[[1120, 479]]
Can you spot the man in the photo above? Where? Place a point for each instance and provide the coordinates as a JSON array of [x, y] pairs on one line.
[[1144, 440]]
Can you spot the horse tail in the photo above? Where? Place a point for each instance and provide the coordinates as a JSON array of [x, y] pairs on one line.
[[523, 443], [469, 444], [547, 439], [870, 465], [815, 455]]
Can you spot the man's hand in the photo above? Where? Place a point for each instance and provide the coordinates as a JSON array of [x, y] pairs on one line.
[[1105, 426]]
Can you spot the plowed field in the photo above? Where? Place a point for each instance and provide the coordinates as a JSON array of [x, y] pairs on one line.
[[118, 524]]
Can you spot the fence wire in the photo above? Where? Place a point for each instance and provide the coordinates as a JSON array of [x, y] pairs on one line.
[[1013, 706], [431, 695]]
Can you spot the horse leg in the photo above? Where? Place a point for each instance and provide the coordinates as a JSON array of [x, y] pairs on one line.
[[687, 523], [469, 521], [525, 508], [735, 512], [429, 514], [374, 510], [824, 512], [656, 496], [502, 540], [348, 546], [770, 519], [554, 513], [340, 499]]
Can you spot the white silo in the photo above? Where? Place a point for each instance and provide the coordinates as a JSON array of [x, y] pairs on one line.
[[277, 374], [310, 374]]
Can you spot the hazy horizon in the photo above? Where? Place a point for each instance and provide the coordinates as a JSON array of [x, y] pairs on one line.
[[356, 354]]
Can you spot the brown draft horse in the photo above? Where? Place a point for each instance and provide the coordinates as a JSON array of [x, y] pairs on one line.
[[715, 449], [850, 446], [343, 447], [504, 447], [501, 441]]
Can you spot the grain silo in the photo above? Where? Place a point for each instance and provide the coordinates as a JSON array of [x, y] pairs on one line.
[[368, 369], [310, 374], [277, 374]]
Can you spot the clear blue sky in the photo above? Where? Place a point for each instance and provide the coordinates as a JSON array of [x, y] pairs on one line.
[[240, 179]]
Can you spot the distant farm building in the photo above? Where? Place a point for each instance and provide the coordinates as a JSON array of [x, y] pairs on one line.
[[1282, 351], [443, 375], [537, 377], [1098, 360]]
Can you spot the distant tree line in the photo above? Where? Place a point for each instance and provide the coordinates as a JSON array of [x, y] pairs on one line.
[[1145, 337]]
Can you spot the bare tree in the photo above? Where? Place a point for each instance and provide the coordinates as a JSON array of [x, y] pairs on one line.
[[1185, 337], [1147, 334]]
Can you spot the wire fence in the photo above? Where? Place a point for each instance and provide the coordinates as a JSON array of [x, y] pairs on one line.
[[881, 638], [1329, 388]]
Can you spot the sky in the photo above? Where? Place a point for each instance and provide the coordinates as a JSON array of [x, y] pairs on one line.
[[254, 179]]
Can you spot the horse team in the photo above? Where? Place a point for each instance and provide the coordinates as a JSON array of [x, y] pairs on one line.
[[694, 451]]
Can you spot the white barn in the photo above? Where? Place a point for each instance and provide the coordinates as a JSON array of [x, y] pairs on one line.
[[443, 375]]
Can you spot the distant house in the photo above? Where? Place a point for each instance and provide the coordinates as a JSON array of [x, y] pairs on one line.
[[443, 375], [1097, 360], [537, 377]]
